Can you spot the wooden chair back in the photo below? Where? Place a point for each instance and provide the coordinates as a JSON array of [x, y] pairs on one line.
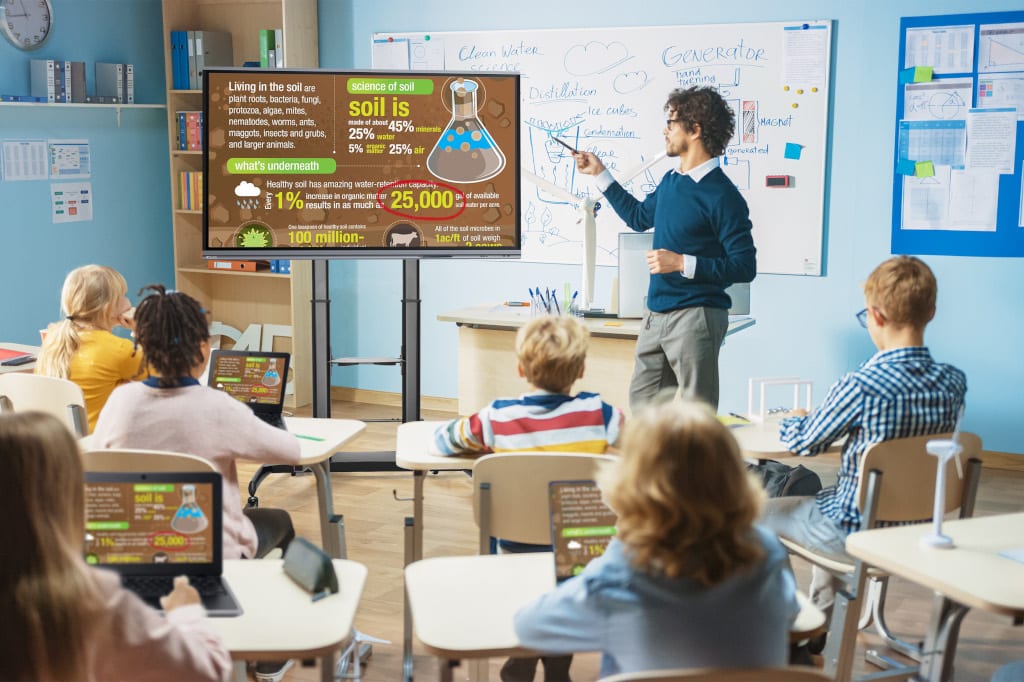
[[907, 490], [155, 461], [60, 397], [510, 492], [786, 674]]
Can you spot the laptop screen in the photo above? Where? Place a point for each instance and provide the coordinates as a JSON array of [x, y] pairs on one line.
[[254, 377], [582, 525], [154, 523]]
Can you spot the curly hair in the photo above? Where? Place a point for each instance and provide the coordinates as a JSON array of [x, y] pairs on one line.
[[706, 108], [685, 502], [904, 289], [552, 351], [170, 327]]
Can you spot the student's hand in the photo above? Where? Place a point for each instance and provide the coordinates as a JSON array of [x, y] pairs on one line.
[[797, 412], [127, 319], [588, 163], [661, 261], [183, 594]]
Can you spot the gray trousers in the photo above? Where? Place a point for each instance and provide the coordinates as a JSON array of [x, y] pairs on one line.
[[678, 349], [800, 520]]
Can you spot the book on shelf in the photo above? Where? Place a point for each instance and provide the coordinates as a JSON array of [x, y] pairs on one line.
[[238, 265], [190, 190], [190, 130], [279, 48]]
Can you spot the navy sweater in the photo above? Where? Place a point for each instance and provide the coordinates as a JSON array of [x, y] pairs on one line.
[[706, 219]]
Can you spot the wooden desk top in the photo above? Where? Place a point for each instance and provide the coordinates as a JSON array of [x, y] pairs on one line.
[[280, 619], [414, 449], [972, 573], [321, 438], [22, 348], [463, 607], [500, 316]]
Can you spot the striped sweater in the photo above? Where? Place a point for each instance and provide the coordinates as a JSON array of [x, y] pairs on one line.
[[535, 421]]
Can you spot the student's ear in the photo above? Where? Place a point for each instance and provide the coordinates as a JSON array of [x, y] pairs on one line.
[[519, 368], [583, 368], [877, 316]]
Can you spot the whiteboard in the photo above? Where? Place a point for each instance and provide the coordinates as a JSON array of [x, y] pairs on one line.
[[603, 90]]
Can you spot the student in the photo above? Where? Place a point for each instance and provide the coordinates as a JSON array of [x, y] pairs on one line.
[[82, 346], [899, 392], [702, 244], [64, 620], [690, 581], [551, 354], [174, 412]]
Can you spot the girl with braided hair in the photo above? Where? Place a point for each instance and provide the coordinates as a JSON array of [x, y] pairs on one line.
[[173, 411]]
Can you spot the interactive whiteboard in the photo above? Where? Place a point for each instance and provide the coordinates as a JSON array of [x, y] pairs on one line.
[[603, 90]]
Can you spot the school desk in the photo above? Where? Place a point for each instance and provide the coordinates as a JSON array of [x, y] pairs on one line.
[[487, 361], [463, 607], [21, 348], [971, 574], [280, 620]]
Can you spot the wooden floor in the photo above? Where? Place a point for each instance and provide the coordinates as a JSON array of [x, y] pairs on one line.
[[374, 524]]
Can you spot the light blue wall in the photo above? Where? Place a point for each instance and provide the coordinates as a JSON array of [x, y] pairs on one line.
[[131, 225], [805, 326]]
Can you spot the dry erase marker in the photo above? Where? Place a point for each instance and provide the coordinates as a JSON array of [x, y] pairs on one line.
[[564, 144], [517, 304]]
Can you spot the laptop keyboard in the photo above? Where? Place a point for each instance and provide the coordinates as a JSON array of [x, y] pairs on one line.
[[155, 586], [273, 419]]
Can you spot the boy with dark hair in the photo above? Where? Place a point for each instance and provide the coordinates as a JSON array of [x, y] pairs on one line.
[[702, 245], [900, 392]]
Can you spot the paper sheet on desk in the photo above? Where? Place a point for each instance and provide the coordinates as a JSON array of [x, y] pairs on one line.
[[1015, 554]]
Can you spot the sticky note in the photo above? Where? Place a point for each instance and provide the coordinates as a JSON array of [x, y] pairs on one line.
[[907, 75], [922, 74], [906, 167], [924, 169], [793, 150]]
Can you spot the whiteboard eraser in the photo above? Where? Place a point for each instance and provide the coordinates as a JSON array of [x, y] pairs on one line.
[[777, 181]]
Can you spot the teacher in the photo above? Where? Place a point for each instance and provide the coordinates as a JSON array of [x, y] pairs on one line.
[[702, 244]]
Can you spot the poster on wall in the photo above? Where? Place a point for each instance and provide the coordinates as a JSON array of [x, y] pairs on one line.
[[960, 114]]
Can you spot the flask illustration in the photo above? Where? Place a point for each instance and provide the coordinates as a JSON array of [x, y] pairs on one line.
[[465, 152], [271, 378], [189, 518]]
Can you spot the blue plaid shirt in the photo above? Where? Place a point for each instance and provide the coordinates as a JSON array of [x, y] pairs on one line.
[[896, 394]]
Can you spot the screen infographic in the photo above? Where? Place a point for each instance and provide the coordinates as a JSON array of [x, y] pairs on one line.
[[360, 163]]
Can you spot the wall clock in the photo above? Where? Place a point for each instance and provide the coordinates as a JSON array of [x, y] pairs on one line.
[[26, 23]]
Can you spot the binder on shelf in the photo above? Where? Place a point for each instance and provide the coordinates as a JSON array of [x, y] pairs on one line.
[[279, 48], [22, 98], [213, 48], [103, 99], [76, 73], [129, 83], [238, 265], [110, 81], [190, 40], [266, 46], [46, 78], [175, 43]]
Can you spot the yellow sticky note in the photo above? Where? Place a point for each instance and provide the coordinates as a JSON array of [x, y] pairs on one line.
[[924, 169], [922, 74]]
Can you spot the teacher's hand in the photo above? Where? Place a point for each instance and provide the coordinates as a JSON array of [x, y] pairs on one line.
[[588, 163], [660, 261]]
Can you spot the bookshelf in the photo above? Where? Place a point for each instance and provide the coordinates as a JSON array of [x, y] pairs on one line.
[[235, 298]]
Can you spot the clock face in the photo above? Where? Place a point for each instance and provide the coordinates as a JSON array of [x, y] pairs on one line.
[[26, 23]]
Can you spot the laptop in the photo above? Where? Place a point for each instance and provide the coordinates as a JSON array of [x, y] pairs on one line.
[[257, 378], [582, 525], [151, 527]]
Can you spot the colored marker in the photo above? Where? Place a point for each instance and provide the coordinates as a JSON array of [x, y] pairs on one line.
[[517, 304], [564, 144]]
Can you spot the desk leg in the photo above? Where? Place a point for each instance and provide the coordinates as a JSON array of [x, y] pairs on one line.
[[479, 669], [407, 660], [332, 528], [941, 640], [327, 666], [417, 514]]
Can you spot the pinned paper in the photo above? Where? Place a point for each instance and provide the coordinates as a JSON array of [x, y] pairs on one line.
[[906, 167], [916, 74], [924, 169], [793, 150]]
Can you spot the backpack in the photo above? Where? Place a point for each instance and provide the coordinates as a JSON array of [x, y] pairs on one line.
[[782, 480]]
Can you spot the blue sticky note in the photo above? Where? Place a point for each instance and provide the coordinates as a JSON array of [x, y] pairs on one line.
[[793, 150], [906, 167], [907, 75]]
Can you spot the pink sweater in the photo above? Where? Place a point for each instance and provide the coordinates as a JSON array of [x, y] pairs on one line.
[[134, 642], [201, 421]]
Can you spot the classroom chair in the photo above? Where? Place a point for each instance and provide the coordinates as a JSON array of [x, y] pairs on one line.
[[21, 392], [897, 484], [510, 492], [155, 461], [787, 674]]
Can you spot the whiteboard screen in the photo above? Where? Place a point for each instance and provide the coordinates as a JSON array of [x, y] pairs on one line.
[[604, 90]]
